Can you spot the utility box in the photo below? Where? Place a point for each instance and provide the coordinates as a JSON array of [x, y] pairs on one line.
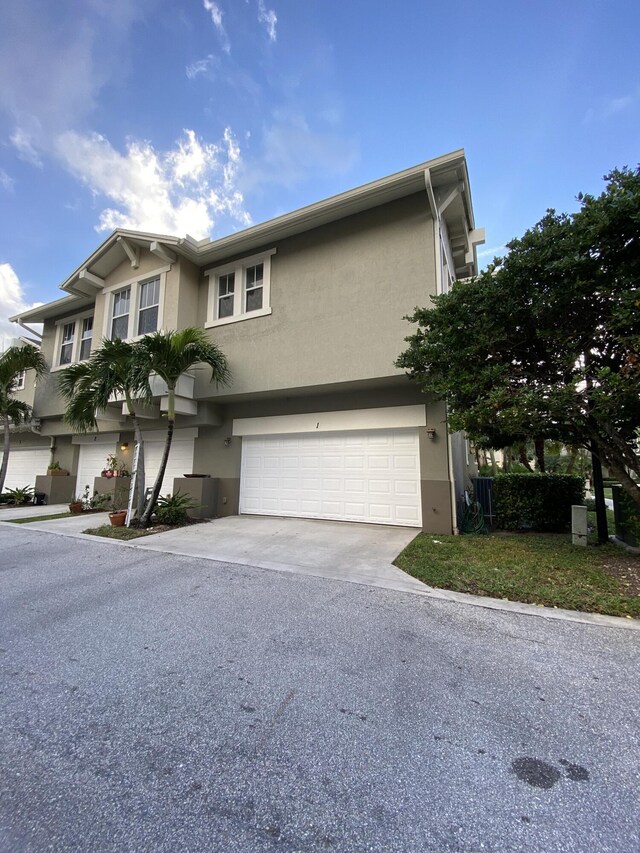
[[482, 493]]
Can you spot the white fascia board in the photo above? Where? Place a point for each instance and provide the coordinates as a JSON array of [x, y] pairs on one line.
[[52, 309], [395, 417]]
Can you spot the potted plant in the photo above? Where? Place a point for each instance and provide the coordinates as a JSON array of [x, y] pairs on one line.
[[54, 470], [111, 469], [77, 505], [117, 516]]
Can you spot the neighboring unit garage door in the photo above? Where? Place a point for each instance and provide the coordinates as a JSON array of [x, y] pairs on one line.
[[371, 476], [92, 460], [25, 465], [180, 462]]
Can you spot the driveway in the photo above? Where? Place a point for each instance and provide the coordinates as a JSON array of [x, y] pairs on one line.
[[359, 553], [160, 702]]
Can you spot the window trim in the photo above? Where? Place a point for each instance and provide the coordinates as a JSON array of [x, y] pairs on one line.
[[239, 267], [134, 284], [75, 351], [21, 381]]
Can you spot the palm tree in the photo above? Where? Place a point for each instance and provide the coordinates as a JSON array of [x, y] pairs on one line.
[[13, 362], [169, 355], [89, 386]]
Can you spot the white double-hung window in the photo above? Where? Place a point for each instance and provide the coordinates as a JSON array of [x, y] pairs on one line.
[[66, 347], [240, 290], [134, 308], [120, 314], [73, 340], [148, 308]]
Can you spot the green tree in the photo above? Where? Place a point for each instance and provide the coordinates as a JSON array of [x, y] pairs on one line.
[[13, 362], [546, 342], [169, 355], [89, 386]]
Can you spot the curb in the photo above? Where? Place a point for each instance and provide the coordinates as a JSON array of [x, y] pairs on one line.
[[435, 593]]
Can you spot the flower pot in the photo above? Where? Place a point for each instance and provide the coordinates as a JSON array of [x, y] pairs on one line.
[[57, 472], [118, 518], [76, 507], [109, 474]]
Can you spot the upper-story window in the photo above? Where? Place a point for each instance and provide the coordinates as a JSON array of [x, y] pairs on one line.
[[86, 336], [240, 290], [134, 308], [19, 380], [73, 340], [120, 314], [66, 347], [148, 310]]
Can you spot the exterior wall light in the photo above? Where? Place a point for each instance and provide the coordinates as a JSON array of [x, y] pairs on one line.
[[124, 445], [227, 441], [431, 433]]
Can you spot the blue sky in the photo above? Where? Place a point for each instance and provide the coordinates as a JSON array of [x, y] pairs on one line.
[[201, 117]]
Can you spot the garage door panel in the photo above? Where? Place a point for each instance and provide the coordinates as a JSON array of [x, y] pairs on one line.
[[383, 485], [24, 465], [180, 462]]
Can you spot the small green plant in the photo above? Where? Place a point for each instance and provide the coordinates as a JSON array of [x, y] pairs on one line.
[[20, 496], [172, 509], [99, 501], [54, 466]]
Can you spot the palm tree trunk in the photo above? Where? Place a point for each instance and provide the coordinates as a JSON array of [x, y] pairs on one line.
[[538, 444], [137, 434], [171, 418], [5, 454]]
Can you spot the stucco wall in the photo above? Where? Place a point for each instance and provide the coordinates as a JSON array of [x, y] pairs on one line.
[[338, 296]]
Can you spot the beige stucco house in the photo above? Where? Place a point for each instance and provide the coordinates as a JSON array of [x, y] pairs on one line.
[[309, 309]]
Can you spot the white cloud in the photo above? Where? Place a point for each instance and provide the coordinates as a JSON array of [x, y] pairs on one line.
[[54, 66], [216, 16], [201, 66], [268, 18], [492, 252], [12, 301], [22, 141], [6, 181], [293, 151], [177, 192], [612, 107]]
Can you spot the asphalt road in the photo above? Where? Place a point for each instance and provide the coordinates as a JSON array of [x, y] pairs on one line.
[[158, 703]]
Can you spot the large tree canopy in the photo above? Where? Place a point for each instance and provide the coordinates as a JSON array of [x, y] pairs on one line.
[[546, 342]]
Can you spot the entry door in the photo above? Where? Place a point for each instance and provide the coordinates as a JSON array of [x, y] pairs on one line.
[[369, 475]]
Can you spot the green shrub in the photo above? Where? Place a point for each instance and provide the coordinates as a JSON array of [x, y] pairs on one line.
[[536, 501], [20, 496], [172, 509]]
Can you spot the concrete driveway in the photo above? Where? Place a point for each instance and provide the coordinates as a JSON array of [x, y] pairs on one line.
[[361, 553]]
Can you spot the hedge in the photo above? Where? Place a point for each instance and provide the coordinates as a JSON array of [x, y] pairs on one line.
[[536, 501]]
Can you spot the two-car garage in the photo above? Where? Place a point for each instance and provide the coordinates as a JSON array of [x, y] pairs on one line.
[[367, 475]]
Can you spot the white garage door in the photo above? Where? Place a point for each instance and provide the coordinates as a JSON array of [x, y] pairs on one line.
[[371, 476], [92, 460], [180, 462], [25, 465]]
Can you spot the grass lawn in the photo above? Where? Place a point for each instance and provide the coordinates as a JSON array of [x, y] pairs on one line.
[[124, 533], [40, 517], [534, 568]]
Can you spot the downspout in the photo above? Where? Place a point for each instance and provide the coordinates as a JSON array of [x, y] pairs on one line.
[[440, 289]]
